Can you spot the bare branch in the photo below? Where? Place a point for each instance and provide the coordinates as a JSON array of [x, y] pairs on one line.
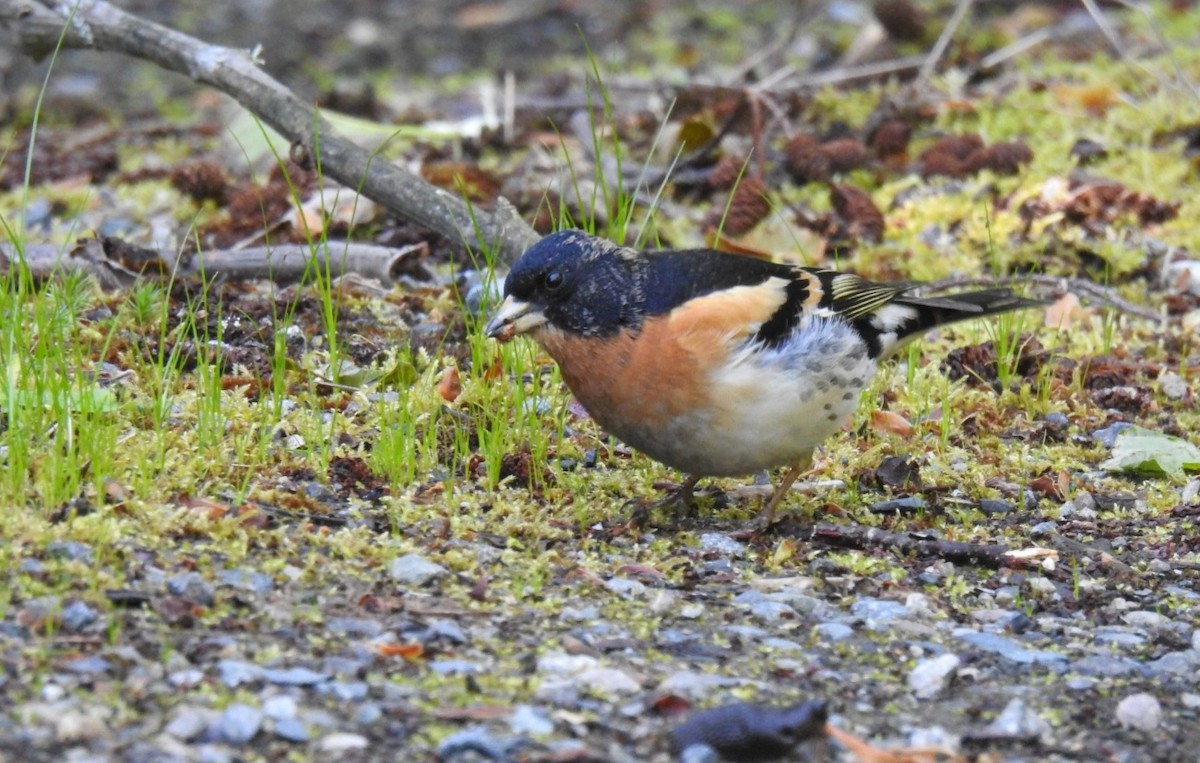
[[39, 24], [288, 263]]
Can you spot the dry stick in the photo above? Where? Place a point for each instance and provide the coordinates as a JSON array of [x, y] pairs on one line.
[[285, 263], [98, 25], [856, 536], [943, 41]]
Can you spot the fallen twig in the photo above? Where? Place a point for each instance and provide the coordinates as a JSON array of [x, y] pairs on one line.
[[943, 41], [98, 25], [106, 260], [860, 536]]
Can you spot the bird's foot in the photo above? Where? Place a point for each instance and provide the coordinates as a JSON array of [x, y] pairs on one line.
[[679, 500], [767, 517]]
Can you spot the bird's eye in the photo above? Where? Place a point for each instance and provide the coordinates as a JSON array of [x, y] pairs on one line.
[[553, 280]]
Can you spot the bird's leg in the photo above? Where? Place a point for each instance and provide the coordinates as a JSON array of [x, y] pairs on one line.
[[766, 517], [678, 501], [687, 491], [684, 497]]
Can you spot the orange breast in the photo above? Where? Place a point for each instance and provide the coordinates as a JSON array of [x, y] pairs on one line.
[[630, 379]]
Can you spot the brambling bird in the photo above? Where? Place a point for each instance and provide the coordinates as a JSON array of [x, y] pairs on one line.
[[716, 364]]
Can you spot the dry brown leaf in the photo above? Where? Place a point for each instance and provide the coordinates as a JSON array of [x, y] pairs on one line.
[[407, 651], [1097, 99], [450, 385], [1065, 311], [890, 422]]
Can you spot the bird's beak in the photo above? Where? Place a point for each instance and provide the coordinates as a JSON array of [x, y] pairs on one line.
[[512, 318]]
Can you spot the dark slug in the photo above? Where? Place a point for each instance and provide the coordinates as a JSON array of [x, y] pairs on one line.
[[747, 733]]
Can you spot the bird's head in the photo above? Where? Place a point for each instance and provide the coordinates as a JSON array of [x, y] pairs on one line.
[[571, 282]]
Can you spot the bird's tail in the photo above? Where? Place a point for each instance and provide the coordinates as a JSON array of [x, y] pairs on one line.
[[888, 315], [924, 313]]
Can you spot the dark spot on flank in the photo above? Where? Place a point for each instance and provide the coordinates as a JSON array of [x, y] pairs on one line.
[[829, 406], [848, 396], [833, 417]]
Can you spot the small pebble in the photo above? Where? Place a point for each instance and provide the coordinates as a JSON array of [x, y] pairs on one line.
[[338, 742], [1018, 720], [415, 570], [71, 550], [367, 713], [930, 676], [297, 676], [238, 724], [1139, 711], [245, 580], [233, 673], [721, 544], [292, 729], [879, 610], [1108, 435], [833, 632], [625, 587], [1172, 385], [78, 615], [527, 720], [995, 506], [279, 707]]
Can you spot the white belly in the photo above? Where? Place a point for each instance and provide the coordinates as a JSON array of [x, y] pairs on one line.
[[771, 407]]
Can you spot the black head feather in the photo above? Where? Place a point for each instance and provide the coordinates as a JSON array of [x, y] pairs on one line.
[[590, 286], [583, 284]]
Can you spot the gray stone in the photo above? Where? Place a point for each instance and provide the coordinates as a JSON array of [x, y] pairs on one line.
[[93, 665], [721, 544], [185, 679], [294, 676], [1139, 711], [415, 570], [76, 726], [191, 585], [247, 580], [1007, 648], [527, 720], [71, 550], [346, 691], [1018, 720], [772, 611], [189, 722], [234, 673], [368, 713], [78, 615], [930, 676], [879, 610], [561, 664], [693, 685], [1105, 665], [292, 729], [362, 627], [1182, 663], [1172, 385], [1119, 637], [211, 753], [279, 707], [238, 724], [833, 632], [455, 667], [339, 742], [1141, 618], [605, 682], [625, 587]]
